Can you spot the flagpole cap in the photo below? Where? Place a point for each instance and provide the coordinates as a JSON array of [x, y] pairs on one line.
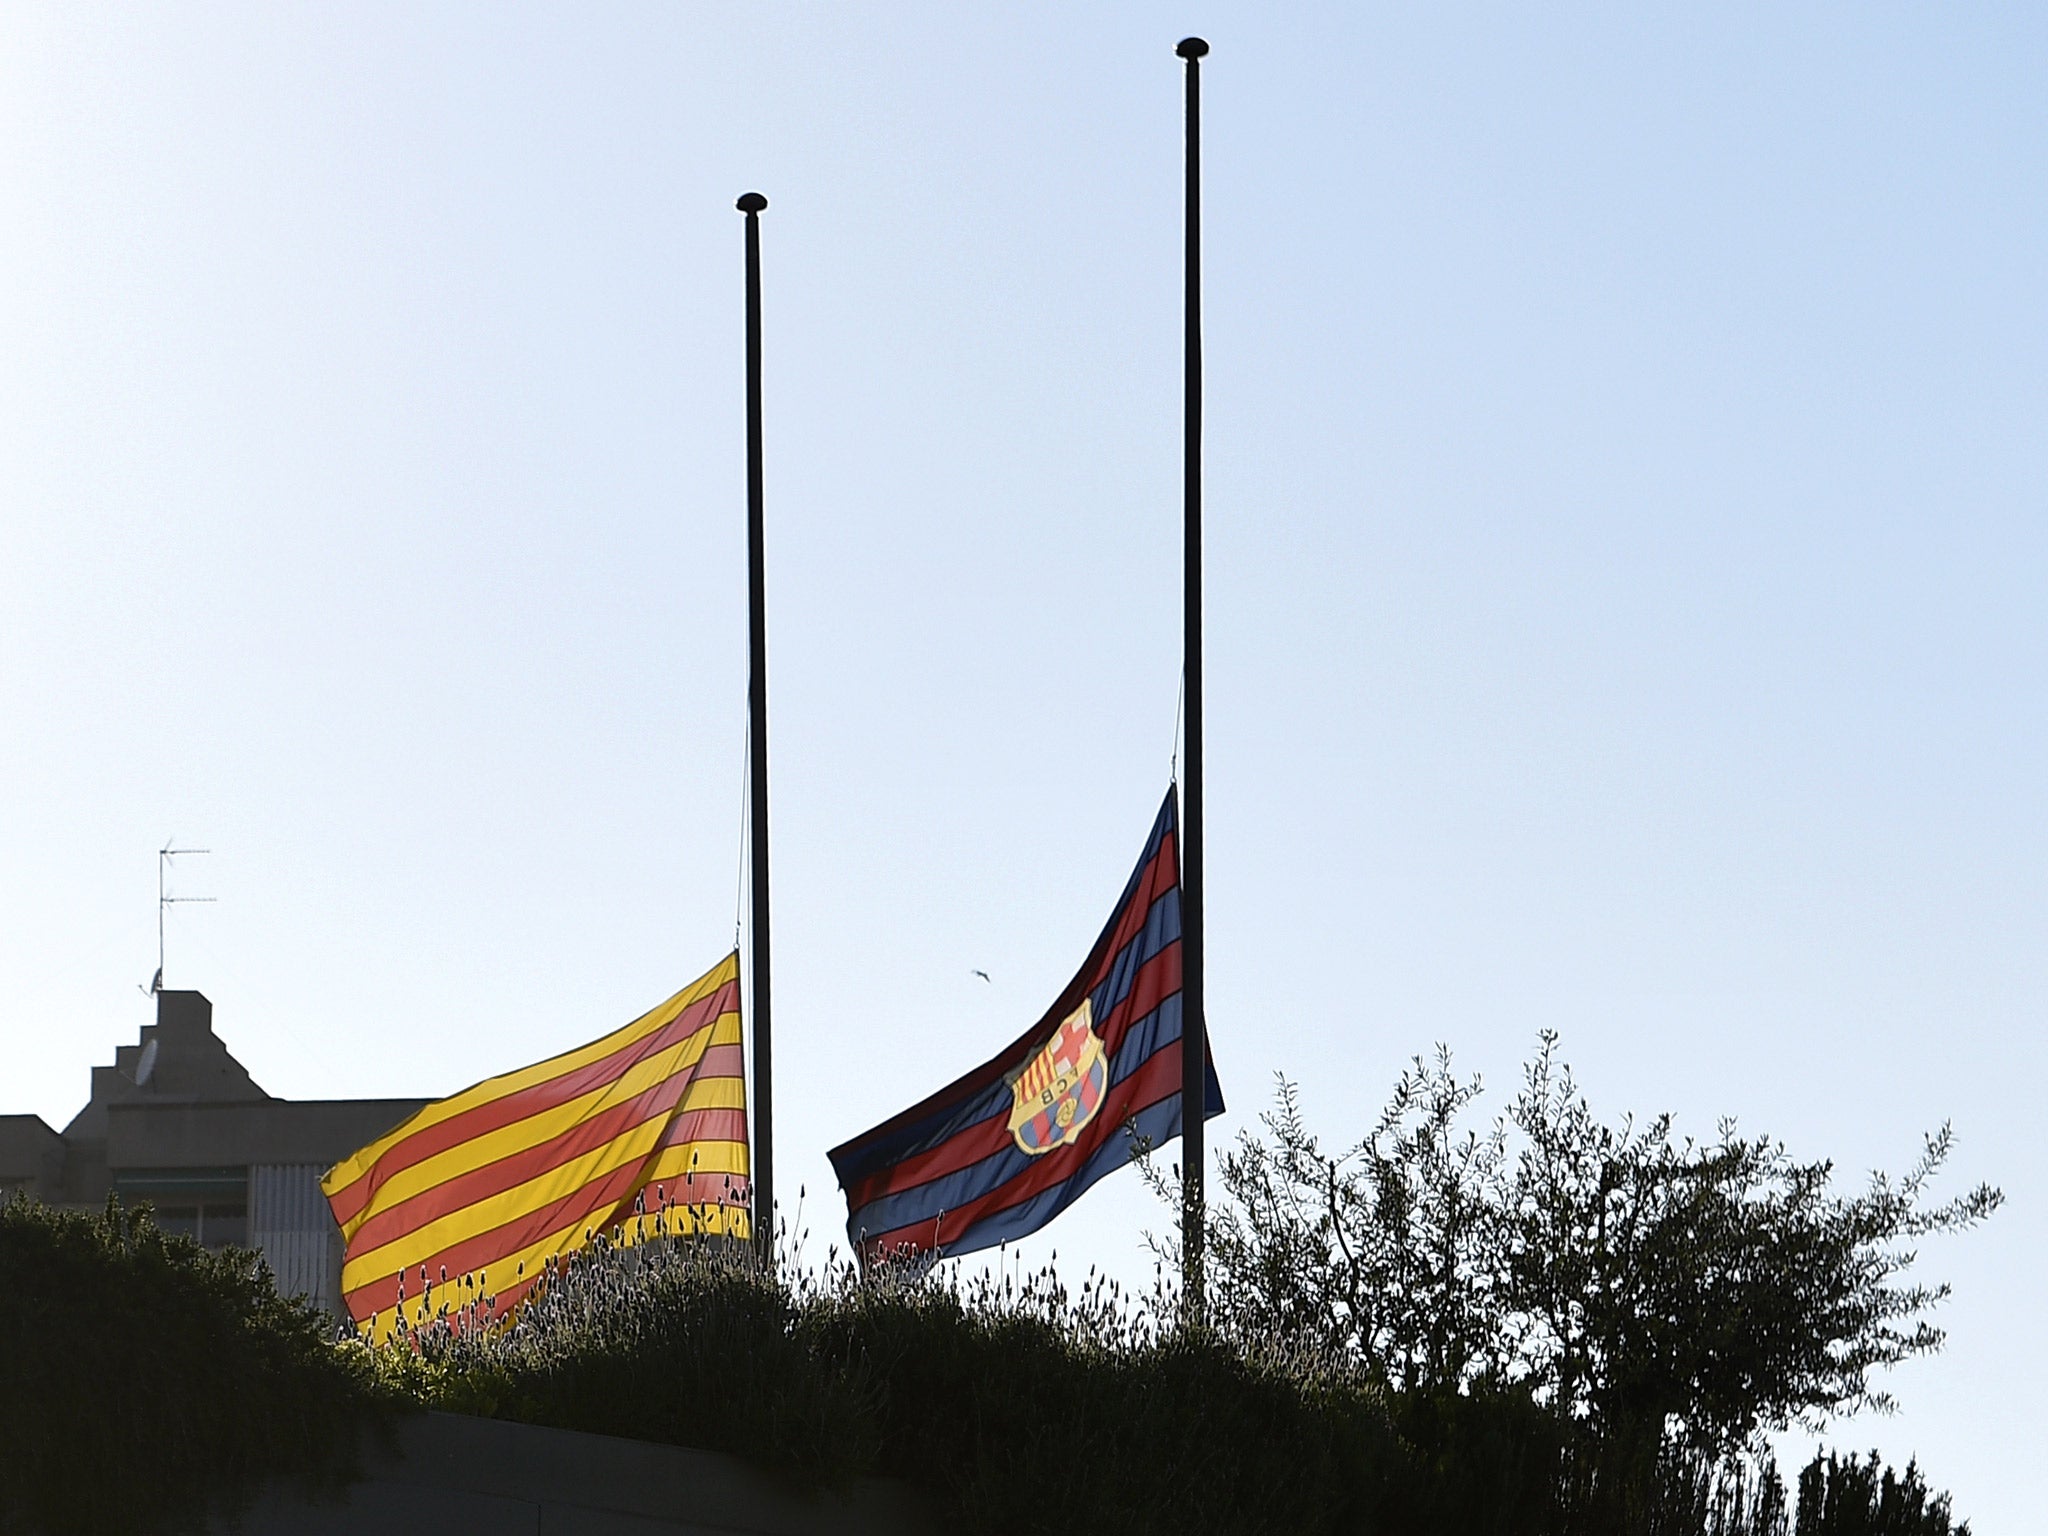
[[751, 202], [1192, 48]]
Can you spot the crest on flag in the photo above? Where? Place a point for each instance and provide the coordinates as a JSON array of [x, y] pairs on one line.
[[1057, 1092]]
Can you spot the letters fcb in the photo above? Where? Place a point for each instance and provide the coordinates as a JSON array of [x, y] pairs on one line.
[[1057, 1091]]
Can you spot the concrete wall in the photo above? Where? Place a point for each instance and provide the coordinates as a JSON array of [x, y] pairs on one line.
[[148, 1133], [31, 1156], [457, 1476]]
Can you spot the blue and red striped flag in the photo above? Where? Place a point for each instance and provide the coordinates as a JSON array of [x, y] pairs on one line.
[[1009, 1146]]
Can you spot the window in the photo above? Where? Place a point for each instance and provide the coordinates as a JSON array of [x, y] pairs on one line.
[[223, 1226], [209, 1205], [181, 1219]]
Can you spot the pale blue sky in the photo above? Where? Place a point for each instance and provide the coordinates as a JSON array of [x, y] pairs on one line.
[[1626, 440]]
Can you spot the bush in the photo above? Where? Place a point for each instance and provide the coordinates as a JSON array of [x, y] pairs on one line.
[[144, 1380], [1020, 1404], [676, 1342], [1008, 1400], [1848, 1497]]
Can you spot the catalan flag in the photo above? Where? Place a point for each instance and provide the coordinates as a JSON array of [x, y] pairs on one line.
[[642, 1131], [1003, 1150]]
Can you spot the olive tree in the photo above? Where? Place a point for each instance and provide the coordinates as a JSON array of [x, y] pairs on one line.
[[1721, 1287], [1639, 1283]]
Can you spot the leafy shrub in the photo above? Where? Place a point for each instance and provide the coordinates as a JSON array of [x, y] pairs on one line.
[[1009, 1399], [678, 1342], [1022, 1403], [144, 1379], [1841, 1496]]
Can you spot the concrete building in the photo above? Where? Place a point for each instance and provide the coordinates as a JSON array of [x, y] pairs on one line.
[[177, 1121]]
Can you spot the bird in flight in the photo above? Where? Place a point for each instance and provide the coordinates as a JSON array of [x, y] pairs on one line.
[[984, 976]]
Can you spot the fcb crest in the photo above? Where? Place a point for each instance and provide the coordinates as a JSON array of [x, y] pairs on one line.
[[1057, 1092]]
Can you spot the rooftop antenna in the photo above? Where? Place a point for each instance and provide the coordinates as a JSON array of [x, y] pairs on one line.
[[164, 899]]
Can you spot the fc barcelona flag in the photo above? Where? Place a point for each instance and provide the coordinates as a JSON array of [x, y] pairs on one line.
[[1009, 1146]]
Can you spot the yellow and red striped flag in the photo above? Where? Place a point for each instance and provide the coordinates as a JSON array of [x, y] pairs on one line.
[[474, 1195]]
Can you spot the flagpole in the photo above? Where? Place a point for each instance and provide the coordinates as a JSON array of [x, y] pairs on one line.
[[1194, 1030], [763, 1165]]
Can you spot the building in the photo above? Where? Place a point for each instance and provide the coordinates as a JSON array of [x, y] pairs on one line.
[[178, 1122]]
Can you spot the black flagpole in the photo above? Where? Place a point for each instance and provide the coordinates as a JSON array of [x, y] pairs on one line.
[[1194, 1098], [763, 1170]]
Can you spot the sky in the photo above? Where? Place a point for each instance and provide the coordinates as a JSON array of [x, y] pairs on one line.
[[1625, 557]]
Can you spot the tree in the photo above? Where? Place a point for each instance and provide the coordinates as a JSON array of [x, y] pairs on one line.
[[1384, 1258], [1640, 1284], [1718, 1287]]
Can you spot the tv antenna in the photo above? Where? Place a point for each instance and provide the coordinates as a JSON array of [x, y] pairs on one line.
[[165, 899]]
